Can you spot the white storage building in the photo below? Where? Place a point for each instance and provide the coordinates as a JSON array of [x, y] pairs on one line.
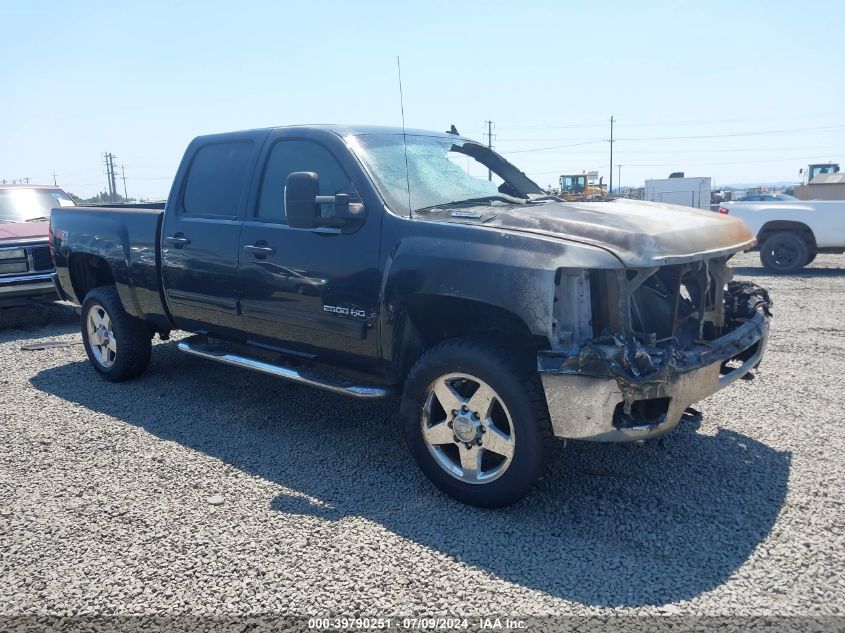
[[688, 192]]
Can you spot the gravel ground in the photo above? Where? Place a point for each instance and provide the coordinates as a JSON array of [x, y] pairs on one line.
[[107, 493]]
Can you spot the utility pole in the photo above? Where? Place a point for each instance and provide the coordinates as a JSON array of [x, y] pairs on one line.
[[55, 184], [26, 179], [619, 183], [110, 177], [123, 176], [113, 182], [490, 145], [610, 189]]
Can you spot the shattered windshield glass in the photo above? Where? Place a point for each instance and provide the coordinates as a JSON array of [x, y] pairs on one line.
[[441, 171]]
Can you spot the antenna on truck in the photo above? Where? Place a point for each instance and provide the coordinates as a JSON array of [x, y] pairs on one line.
[[404, 139]]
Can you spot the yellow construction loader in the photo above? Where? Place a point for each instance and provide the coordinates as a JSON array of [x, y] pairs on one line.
[[581, 187]]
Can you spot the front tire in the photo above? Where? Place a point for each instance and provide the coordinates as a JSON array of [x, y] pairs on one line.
[[476, 421], [118, 345], [784, 252]]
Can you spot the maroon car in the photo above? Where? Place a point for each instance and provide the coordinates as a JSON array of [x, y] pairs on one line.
[[26, 266]]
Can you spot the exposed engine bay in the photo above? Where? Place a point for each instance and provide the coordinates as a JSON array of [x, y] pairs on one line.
[[644, 327]]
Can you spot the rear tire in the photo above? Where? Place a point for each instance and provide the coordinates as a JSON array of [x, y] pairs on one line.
[[784, 252], [476, 421], [118, 345], [810, 258]]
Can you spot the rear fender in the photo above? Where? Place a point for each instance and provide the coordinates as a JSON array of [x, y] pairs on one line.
[[109, 244]]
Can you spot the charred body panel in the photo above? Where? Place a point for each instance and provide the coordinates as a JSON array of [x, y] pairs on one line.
[[641, 234], [662, 338], [438, 267]]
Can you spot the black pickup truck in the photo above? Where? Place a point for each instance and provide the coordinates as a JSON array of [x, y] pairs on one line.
[[375, 263]]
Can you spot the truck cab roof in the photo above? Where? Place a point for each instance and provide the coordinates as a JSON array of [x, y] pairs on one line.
[[341, 130]]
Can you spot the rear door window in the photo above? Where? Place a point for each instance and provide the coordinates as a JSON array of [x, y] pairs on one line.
[[216, 179]]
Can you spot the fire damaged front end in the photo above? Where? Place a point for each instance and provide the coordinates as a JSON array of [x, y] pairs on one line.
[[633, 348]]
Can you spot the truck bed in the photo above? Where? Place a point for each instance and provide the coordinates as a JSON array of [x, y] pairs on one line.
[[127, 241], [824, 219]]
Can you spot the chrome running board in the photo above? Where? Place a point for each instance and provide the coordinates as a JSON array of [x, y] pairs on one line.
[[200, 346]]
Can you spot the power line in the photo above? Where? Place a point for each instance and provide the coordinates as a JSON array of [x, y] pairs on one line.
[[664, 122], [541, 149], [720, 150], [655, 138], [81, 184], [759, 133], [551, 140], [668, 138], [669, 122], [734, 162], [729, 162], [570, 126]]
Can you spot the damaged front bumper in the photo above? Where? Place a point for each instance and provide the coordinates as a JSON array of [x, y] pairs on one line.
[[614, 389]]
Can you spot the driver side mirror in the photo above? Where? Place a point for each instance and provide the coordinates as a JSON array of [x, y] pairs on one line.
[[302, 203], [301, 209]]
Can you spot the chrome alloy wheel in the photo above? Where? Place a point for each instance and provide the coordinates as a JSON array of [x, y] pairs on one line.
[[467, 428], [101, 337]]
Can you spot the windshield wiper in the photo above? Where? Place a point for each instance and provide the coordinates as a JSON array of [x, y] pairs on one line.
[[472, 202], [38, 219]]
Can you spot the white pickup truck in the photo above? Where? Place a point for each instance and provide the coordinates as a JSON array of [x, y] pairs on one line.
[[791, 234]]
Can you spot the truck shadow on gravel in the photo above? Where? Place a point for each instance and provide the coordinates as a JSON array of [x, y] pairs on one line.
[[610, 525]]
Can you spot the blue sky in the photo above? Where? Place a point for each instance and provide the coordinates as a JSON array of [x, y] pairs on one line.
[[141, 79]]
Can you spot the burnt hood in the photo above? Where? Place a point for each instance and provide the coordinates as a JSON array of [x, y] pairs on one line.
[[641, 234]]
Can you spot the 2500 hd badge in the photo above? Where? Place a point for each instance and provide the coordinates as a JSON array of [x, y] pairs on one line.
[[355, 312]]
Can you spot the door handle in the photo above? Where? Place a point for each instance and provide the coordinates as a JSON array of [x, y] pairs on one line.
[[260, 251], [177, 240]]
